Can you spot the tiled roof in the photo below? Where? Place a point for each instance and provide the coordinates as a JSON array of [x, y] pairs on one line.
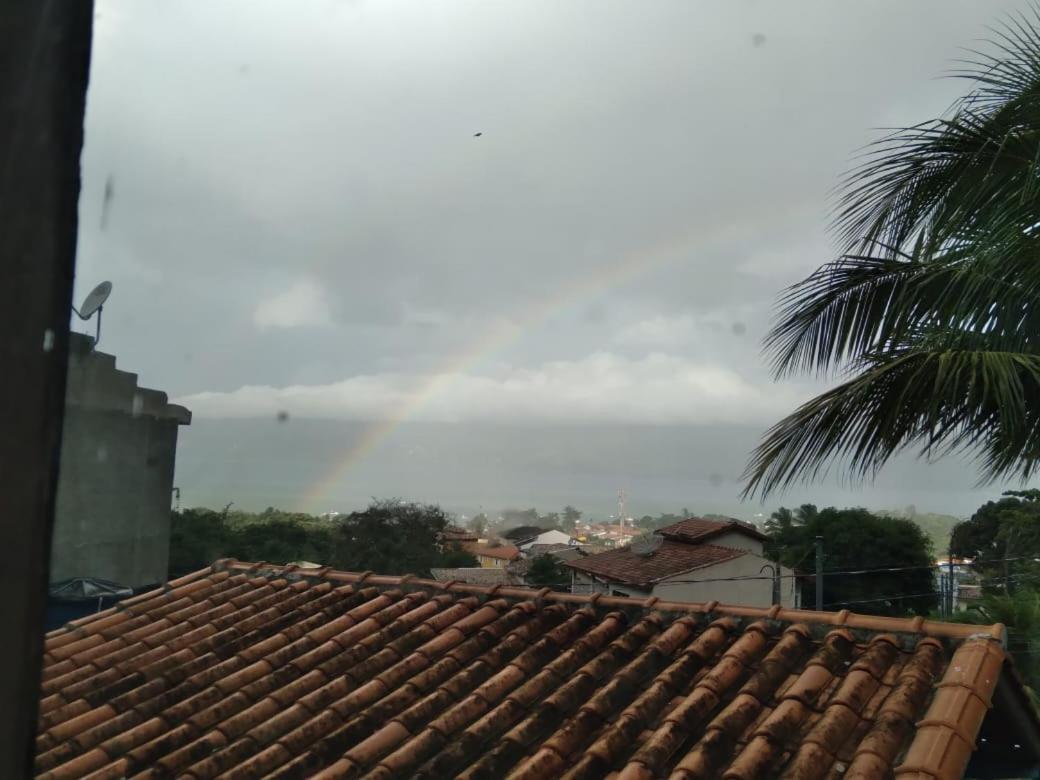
[[668, 560], [453, 533], [244, 671], [506, 552], [697, 529]]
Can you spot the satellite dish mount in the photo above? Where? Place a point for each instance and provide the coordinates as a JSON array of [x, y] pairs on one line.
[[93, 304], [646, 544]]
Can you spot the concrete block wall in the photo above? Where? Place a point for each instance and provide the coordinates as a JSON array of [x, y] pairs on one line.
[[118, 454]]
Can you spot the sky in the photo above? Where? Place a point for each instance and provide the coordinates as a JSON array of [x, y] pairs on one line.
[[386, 243]]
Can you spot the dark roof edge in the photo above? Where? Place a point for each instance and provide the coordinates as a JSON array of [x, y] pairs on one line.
[[844, 618], [577, 566], [725, 526]]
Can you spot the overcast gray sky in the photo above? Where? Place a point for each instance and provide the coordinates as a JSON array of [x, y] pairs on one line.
[[302, 218]]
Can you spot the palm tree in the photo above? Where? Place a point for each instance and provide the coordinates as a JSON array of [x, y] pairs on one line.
[[929, 315]]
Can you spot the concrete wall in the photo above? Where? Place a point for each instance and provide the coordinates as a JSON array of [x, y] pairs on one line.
[[747, 593], [117, 463], [737, 541]]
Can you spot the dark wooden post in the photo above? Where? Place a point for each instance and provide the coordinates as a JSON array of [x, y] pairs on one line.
[[44, 58]]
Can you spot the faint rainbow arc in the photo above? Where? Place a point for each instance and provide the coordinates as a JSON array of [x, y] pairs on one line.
[[634, 264]]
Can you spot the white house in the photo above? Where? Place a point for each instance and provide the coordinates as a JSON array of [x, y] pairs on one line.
[[698, 560], [547, 537]]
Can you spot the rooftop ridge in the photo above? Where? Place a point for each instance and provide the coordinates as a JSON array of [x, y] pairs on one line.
[[253, 669], [917, 626]]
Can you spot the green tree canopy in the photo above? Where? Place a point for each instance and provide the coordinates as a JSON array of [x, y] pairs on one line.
[[1003, 538], [547, 571], [571, 516], [478, 524], [929, 314], [856, 540], [390, 537]]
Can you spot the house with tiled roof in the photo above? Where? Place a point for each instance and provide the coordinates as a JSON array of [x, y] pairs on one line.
[[495, 556], [248, 670], [696, 560]]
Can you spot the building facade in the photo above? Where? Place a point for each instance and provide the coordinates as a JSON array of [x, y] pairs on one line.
[[698, 561], [119, 444]]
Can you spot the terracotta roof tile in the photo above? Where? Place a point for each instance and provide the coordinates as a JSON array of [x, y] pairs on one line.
[[668, 560], [699, 529], [242, 671]]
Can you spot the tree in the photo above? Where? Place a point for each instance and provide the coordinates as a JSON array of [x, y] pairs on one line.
[[478, 524], [856, 540], [550, 521], [547, 571], [571, 516], [784, 529], [1003, 538], [390, 537], [931, 309], [514, 517], [197, 538], [522, 532], [281, 540], [457, 558], [200, 536]]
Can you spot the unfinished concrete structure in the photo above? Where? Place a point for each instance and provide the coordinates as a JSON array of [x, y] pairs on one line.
[[118, 450]]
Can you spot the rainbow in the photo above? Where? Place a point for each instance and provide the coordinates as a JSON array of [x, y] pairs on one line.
[[635, 264]]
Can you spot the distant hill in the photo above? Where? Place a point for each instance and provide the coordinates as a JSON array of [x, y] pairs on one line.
[[938, 527]]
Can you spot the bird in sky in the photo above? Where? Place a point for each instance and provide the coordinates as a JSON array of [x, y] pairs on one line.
[[477, 135]]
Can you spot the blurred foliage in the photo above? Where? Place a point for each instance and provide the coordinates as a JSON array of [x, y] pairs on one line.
[[856, 540], [388, 537], [1003, 538], [938, 527], [547, 571]]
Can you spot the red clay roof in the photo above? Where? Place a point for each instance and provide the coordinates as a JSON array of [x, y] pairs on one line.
[[506, 552], [668, 560], [699, 529], [242, 671]]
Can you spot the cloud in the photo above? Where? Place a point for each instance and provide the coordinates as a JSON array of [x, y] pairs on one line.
[[604, 387], [303, 305]]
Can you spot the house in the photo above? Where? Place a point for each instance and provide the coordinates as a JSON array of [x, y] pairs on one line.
[[494, 557], [697, 560], [546, 537], [613, 535], [118, 449], [247, 670], [454, 535]]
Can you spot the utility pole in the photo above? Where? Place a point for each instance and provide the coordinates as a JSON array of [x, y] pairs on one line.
[[949, 587], [819, 574]]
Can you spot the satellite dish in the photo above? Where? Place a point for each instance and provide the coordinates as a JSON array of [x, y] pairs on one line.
[[93, 304], [646, 544], [94, 301]]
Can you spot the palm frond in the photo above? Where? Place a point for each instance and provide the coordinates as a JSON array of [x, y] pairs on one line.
[[860, 303], [951, 391]]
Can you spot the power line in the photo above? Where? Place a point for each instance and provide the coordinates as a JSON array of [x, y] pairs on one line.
[[896, 597]]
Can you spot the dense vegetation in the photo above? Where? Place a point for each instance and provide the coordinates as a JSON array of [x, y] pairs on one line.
[[390, 537], [855, 540], [1003, 538]]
